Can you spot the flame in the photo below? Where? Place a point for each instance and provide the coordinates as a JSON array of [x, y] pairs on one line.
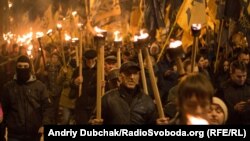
[[99, 31], [49, 32], [143, 35], [10, 4], [8, 37], [196, 26], [136, 38], [29, 50], [194, 120], [175, 44], [74, 13], [80, 25], [67, 37], [117, 36], [74, 40], [39, 34], [25, 39], [59, 26]]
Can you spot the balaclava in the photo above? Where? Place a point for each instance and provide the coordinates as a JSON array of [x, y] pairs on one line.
[[23, 74]]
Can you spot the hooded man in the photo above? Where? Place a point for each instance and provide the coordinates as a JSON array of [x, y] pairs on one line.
[[26, 105]]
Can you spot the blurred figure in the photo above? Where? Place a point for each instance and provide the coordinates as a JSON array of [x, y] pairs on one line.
[[218, 112], [66, 103], [195, 93]]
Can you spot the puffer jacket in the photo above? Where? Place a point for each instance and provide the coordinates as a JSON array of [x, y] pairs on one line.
[[26, 107], [118, 108]]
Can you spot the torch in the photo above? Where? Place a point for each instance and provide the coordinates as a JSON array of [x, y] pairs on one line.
[[59, 29], [139, 47], [39, 36], [29, 53], [75, 42], [175, 51], [49, 34], [196, 120], [196, 31], [142, 40], [80, 58], [99, 40], [118, 45]]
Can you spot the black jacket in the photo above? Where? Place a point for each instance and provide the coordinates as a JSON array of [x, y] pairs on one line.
[[26, 107], [121, 107]]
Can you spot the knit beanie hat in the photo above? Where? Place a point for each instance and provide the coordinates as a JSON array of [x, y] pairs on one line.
[[223, 106]]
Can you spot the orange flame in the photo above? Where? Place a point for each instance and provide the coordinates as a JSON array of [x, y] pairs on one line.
[[194, 120], [39, 34], [67, 37], [196, 26], [118, 38], [99, 31], [143, 35], [59, 26], [175, 44]]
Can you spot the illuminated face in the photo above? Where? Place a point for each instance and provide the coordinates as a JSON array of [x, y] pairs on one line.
[[239, 77], [244, 58], [195, 107], [216, 115], [130, 78], [90, 62], [202, 62], [226, 66], [109, 66]]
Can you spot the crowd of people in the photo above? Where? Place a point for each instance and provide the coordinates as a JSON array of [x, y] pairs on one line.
[[36, 96]]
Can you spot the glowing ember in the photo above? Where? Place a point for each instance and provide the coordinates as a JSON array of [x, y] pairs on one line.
[[192, 120], [175, 44], [118, 38]]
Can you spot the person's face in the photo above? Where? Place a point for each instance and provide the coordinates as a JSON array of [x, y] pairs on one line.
[[195, 107], [130, 78], [54, 59], [226, 65], [239, 77], [216, 115], [244, 58], [202, 62], [109, 66], [90, 63]]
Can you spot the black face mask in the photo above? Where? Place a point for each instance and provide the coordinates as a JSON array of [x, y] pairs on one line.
[[23, 75]]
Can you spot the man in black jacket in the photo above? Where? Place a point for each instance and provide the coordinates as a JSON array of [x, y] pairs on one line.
[[26, 104], [127, 104]]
